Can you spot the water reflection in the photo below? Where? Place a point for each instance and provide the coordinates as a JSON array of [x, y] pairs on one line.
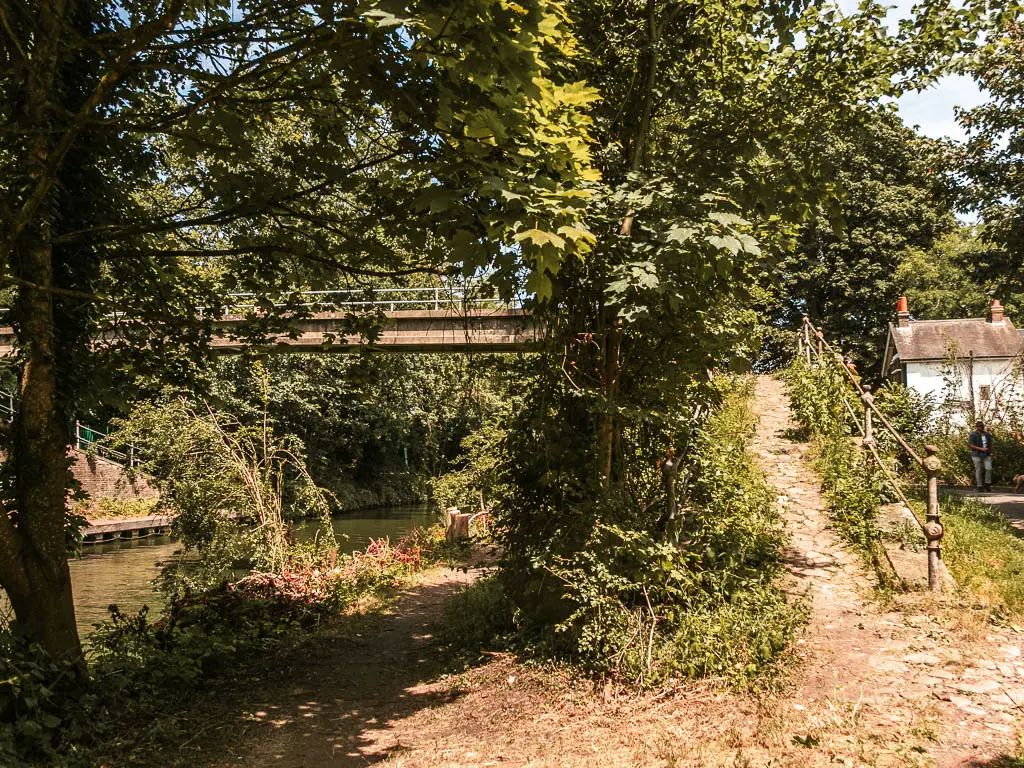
[[123, 571]]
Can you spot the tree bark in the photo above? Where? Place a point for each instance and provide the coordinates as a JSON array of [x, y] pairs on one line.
[[33, 549], [41, 465]]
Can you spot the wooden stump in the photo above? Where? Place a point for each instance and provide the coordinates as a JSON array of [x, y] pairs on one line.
[[458, 525]]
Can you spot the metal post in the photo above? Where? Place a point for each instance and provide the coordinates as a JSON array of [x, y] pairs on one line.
[[78, 435], [437, 298], [933, 526]]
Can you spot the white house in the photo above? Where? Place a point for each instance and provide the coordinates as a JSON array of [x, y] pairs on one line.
[[971, 368]]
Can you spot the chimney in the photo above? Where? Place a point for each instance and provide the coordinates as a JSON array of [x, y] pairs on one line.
[[902, 313], [995, 312]]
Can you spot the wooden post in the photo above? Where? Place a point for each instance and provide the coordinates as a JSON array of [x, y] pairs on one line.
[[821, 342], [807, 338], [458, 525], [868, 399], [933, 526]]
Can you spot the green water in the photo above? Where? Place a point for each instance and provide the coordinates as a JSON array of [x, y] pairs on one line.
[[122, 571]]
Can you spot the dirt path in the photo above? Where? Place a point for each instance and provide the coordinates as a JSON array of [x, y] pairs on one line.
[[875, 686], [350, 692], [893, 666]]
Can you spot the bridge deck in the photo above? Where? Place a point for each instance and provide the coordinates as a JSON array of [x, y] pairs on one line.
[[450, 329]]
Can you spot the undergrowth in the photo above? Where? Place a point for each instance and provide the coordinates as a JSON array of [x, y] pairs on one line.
[[639, 607], [983, 554], [141, 667]]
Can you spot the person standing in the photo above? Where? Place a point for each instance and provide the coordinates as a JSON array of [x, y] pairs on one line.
[[981, 454]]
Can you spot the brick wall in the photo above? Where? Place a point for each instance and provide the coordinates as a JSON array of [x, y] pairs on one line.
[[103, 479]]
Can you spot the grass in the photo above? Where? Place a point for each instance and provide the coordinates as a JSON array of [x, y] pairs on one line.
[[983, 553], [107, 509]]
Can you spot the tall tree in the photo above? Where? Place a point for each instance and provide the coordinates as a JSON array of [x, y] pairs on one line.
[[710, 156], [157, 154], [896, 200], [994, 153]]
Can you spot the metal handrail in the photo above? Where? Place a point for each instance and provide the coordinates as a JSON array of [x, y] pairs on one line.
[[932, 527], [82, 443]]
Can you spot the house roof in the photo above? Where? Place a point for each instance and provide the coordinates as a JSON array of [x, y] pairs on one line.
[[933, 339]]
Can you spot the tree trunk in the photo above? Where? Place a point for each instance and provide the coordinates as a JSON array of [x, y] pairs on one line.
[[612, 347], [33, 549], [41, 465]]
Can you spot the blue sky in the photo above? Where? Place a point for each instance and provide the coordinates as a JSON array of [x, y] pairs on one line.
[[931, 110]]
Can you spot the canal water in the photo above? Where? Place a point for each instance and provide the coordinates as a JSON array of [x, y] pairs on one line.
[[123, 571]]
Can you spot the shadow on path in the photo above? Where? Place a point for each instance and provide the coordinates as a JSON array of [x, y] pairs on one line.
[[349, 689]]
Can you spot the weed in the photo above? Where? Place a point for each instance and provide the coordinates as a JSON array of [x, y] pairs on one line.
[[983, 554]]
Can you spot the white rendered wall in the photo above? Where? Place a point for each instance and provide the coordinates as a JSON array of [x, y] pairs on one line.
[[1006, 388]]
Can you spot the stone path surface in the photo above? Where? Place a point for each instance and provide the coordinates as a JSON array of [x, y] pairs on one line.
[[895, 666]]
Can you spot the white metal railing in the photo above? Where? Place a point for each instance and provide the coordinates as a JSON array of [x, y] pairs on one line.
[[386, 299]]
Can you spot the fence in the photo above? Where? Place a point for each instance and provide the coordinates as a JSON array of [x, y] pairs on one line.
[[932, 526], [86, 438], [94, 441]]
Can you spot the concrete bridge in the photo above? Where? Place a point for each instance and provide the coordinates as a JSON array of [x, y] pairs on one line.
[[414, 320]]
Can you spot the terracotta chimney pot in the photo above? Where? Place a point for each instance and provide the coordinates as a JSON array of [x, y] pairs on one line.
[[902, 313], [995, 312]]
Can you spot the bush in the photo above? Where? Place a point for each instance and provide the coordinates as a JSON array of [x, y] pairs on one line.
[[983, 553], [141, 668], [623, 597], [115, 508]]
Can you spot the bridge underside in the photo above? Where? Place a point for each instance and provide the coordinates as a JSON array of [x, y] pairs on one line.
[[450, 330], [407, 331]]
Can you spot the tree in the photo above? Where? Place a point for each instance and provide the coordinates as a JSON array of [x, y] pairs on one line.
[[161, 153], [994, 153], [940, 281], [709, 129], [845, 270]]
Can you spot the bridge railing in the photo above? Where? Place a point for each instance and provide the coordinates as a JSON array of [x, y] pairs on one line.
[[94, 441], [384, 299], [812, 345]]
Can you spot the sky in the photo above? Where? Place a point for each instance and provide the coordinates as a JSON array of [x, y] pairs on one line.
[[931, 110]]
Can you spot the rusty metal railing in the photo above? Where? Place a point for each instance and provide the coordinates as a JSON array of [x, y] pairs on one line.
[[931, 527]]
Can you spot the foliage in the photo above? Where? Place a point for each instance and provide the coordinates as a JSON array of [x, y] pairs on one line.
[[472, 483], [995, 149], [141, 669], [816, 395], [375, 428], [232, 487], [910, 413], [150, 170], [113, 508], [943, 281], [846, 270], [630, 602]]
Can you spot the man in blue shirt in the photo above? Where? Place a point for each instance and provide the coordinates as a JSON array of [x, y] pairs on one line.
[[981, 454]]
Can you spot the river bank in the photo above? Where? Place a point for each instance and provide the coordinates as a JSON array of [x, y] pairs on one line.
[[122, 571]]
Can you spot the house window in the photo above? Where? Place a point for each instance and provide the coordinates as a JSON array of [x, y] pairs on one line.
[[985, 392]]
